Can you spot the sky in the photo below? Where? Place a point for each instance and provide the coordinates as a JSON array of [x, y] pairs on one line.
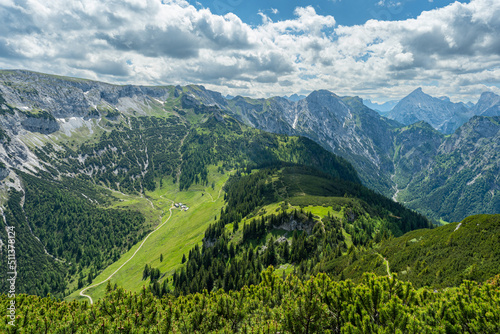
[[381, 49]]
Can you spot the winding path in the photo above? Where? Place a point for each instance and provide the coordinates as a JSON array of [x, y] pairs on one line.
[[386, 264], [82, 293], [213, 200], [388, 268]]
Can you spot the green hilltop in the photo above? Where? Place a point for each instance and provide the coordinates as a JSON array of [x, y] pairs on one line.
[[440, 257]]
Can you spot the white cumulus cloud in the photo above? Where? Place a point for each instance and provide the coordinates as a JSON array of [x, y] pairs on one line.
[[456, 49]]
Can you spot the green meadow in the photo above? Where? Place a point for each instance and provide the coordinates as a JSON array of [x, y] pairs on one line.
[[178, 232]]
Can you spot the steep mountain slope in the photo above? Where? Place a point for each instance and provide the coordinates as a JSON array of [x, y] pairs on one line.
[[342, 125], [463, 176], [440, 113], [488, 105], [74, 109], [415, 147]]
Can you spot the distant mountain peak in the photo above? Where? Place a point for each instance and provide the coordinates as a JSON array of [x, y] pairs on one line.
[[322, 93], [382, 108], [488, 105], [488, 94], [420, 94], [294, 97], [442, 114]]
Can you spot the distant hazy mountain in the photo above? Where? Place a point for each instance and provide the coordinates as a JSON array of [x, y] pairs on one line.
[[442, 114], [295, 97], [488, 105], [380, 107], [469, 104]]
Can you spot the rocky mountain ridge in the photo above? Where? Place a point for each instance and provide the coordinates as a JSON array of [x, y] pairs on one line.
[[408, 163], [391, 158], [444, 115], [488, 105]]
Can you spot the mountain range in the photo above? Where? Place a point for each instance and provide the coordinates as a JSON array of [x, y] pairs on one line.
[[445, 177], [178, 192], [392, 158], [442, 114]]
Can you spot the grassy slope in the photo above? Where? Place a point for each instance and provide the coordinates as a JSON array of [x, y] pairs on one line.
[[176, 237]]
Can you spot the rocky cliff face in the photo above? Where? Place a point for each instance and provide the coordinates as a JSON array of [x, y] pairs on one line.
[[44, 124], [415, 147], [440, 113], [342, 125], [488, 105], [68, 97]]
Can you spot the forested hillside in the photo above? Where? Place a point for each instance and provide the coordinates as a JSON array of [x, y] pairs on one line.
[[441, 257], [291, 235], [63, 238]]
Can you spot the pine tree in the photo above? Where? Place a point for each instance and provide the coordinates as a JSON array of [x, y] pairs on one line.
[[108, 287]]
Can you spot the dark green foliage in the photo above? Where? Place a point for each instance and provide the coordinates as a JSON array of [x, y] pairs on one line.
[[316, 305], [4, 107], [112, 114], [3, 136], [40, 114], [71, 228], [38, 273], [238, 146], [445, 256]]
